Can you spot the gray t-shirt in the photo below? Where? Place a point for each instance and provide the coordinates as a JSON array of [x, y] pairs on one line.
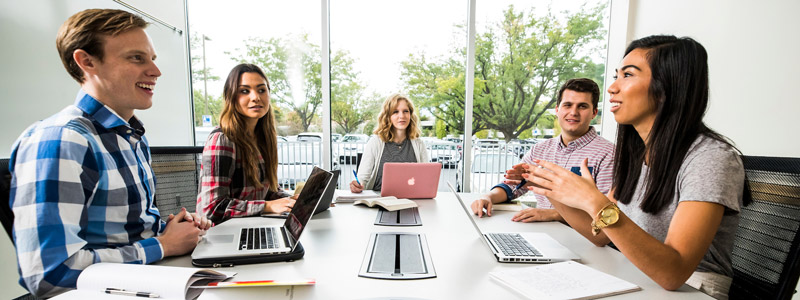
[[711, 172], [394, 152]]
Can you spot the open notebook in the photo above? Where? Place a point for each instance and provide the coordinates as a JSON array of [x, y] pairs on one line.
[[174, 283], [564, 280]]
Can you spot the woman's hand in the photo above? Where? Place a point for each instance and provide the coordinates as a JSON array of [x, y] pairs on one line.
[[355, 187], [280, 205], [559, 184]]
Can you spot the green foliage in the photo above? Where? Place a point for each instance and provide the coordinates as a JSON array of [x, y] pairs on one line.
[[214, 107], [526, 134], [520, 63], [441, 129], [286, 59], [482, 134], [369, 127], [292, 66]]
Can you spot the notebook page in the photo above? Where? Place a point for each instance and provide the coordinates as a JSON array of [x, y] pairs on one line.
[[343, 196], [564, 280], [167, 282]]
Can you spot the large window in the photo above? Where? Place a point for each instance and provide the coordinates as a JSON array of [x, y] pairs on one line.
[[524, 50], [379, 48]]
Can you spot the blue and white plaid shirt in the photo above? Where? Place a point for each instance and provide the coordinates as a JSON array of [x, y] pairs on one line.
[[82, 193]]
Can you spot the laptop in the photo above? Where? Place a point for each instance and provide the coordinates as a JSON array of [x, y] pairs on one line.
[[526, 247], [411, 180], [324, 203], [327, 197], [246, 237]]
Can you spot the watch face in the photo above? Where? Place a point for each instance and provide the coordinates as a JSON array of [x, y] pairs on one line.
[[609, 216]]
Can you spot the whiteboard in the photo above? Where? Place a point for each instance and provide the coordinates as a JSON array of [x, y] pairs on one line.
[[35, 85]]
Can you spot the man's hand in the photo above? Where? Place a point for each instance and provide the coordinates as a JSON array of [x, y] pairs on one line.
[[479, 205], [180, 236]]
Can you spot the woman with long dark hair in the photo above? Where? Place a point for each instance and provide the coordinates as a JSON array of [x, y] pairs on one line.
[[678, 186], [240, 159]]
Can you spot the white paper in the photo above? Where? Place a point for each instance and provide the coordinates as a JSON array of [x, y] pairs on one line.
[[166, 282], [343, 196], [564, 280]]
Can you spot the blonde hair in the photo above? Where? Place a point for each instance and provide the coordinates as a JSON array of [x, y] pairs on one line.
[[233, 125], [385, 129]]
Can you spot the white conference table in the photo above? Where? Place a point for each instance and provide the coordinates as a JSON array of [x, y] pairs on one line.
[[335, 242]]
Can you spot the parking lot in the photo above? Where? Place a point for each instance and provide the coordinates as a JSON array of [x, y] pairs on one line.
[[297, 155]]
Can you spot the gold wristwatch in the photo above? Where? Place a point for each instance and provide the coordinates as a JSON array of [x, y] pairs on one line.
[[607, 216]]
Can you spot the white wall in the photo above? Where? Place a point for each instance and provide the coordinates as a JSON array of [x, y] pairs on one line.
[[753, 64], [35, 85]]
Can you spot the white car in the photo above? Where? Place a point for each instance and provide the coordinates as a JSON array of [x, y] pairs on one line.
[[445, 153], [346, 151], [488, 169]]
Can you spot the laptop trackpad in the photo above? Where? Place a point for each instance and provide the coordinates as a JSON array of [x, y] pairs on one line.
[[220, 238]]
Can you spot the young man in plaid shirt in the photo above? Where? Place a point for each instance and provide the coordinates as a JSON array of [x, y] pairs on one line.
[[82, 185]]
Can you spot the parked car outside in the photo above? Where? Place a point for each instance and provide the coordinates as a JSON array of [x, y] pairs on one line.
[[487, 144], [348, 148], [445, 153], [296, 160], [488, 168], [309, 137]]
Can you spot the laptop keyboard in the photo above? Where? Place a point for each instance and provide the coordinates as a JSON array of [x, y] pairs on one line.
[[513, 244], [259, 238]]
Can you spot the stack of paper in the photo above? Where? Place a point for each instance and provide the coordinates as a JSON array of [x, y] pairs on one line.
[[348, 197], [564, 280]]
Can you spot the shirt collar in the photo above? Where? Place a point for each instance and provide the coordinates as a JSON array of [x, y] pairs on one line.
[[584, 140], [107, 116]]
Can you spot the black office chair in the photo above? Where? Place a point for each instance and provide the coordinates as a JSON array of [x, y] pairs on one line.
[[177, 173], [765, 252], [6, 214]]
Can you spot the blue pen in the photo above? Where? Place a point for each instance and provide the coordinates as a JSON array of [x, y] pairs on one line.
[[356, 175]]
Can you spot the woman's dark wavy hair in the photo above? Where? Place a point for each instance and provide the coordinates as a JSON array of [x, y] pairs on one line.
[[679, 91]]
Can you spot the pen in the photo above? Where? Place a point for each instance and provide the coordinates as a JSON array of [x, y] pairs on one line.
[[116, 291], [356, 175]]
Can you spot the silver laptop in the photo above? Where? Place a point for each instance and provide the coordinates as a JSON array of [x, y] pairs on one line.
[[525, 247], [239, 237]]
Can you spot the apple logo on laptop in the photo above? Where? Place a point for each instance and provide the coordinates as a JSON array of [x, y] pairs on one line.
[[411, 181]]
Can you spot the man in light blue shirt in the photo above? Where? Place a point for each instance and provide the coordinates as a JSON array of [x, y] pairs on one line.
[[82, 185]]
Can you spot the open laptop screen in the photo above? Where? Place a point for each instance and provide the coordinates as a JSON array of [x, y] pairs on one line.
[[306, 202]]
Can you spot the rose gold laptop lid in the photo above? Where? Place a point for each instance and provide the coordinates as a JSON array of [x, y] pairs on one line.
[[411, 180]]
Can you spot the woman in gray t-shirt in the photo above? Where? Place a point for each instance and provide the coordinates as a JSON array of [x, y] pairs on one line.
[[678, 185]]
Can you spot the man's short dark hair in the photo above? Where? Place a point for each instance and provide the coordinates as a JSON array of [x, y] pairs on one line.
[[85, 30], [580, 85]]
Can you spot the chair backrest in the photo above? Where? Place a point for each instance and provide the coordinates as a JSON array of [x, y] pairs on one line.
[[177, 172], [765, 251], [6, 214]]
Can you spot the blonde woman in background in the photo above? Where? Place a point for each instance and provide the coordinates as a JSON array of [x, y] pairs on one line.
[[397, 141]]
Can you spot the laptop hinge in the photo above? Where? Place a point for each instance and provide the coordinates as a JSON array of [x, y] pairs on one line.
[[287, 238]]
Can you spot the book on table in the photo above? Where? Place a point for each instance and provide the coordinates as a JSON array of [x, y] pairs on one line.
[[389, 203], [343, 196], [121, 281], [564, 280]]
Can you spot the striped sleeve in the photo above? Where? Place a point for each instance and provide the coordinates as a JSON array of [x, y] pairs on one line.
[[54, 176], [215, 199], [605, 171]]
